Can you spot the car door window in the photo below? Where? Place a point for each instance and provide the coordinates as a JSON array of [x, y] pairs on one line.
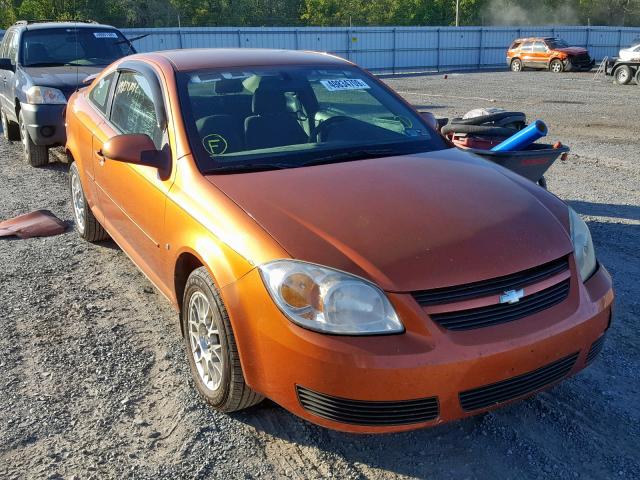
[[539, 47], [100, 93], [12, 49], [3, 45], [133, 110]]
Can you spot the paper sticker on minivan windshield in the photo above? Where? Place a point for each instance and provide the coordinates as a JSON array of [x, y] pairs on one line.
[[344, 84], [105, 34]]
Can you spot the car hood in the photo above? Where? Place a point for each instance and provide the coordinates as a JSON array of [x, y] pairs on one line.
[[407, 223], [63, 78], [573, 50]]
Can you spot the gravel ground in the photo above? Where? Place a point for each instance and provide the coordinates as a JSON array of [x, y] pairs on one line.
[[94, 382]]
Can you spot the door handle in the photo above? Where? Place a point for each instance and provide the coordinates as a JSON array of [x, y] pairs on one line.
[[101, 157]]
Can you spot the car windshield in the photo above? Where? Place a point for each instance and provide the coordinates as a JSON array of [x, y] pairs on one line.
[[50, 47], [285, 117], [556, 43]]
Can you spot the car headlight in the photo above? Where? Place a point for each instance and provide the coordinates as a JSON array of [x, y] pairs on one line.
[[327, 300], [582, 245], [41, 95]]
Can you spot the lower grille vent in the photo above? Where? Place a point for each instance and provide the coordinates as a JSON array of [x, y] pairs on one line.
[[373, 413], [596, 348], [517, 386]]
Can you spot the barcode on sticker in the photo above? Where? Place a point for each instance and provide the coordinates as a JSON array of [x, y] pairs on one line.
[[344, 84], [105, 34]]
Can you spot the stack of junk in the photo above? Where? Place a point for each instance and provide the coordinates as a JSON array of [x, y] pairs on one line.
[[505, 138]]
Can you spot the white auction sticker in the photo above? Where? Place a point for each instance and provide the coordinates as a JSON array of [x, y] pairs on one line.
[[105, 34], [344, 84]]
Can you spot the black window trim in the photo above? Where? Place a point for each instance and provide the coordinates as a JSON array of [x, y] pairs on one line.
[[151, 76], [107, 104]]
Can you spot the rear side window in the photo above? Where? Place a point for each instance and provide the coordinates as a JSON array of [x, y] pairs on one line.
[[527, 47], [133, 109], [100, 93], [514, 45]]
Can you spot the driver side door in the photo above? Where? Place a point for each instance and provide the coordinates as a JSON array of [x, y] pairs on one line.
[[132, 197]]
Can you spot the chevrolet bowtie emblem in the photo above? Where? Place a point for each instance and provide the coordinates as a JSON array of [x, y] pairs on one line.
[[512, 296]]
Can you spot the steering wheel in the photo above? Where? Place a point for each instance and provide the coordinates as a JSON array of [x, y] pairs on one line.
[[322, 128]]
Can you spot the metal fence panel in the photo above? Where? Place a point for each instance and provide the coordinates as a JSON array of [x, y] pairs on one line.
[[386, 49]]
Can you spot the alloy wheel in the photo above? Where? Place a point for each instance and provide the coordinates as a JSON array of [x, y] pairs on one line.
[[78, 200], [205, 341]]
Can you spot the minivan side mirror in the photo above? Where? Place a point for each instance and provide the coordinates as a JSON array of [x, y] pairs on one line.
[[5, 64], [137, 149]]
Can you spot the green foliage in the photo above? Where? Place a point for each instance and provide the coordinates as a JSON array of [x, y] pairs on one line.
[[159, 13]]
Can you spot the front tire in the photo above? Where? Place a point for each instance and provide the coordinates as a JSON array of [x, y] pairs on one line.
[[516, 65], [211, 347], [622, 75], [556, 66], [86, 223], [35, 155]]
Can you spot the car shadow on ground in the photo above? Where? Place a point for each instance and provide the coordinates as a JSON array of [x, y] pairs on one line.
[[628, 212]]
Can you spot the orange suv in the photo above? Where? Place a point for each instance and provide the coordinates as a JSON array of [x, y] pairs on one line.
[[549, 53]]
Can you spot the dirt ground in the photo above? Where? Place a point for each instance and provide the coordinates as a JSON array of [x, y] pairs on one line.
[[94, 381]]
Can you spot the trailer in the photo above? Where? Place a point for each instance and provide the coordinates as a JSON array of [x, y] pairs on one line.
[[623, 71]]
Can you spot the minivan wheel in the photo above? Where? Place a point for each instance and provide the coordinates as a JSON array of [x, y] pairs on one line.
[[86, 223], [516, 65], [623, 75], [211, 348], [35, 155], [556, 66]]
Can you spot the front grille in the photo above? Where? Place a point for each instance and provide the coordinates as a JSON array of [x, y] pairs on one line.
[[517, 386], [373, 413], [580, 59], [504, 312], [596, 348], [494, 286]]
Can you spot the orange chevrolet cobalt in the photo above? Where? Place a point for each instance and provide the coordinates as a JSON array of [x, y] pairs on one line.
[[325, 246]]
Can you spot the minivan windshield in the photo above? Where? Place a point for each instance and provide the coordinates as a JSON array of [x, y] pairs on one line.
[[50, 47], [241, 119]]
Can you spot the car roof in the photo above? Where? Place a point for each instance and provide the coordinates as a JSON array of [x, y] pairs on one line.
[[531, 39], [43, 25], [203, 58]]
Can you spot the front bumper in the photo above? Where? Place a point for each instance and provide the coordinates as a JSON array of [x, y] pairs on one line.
[[45, 123], [426, 362]]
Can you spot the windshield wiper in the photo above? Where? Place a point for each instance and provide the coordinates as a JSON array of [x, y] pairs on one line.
[[250, 167], [46, 64], [358, 154]]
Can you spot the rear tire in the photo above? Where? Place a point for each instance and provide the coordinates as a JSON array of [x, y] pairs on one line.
[[86, 223], [622, 75], [211, 347], [638, 76], [516, 65], [35, 155], [556, 66]]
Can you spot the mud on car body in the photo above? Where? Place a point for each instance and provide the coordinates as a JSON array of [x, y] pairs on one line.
[[41, 65]]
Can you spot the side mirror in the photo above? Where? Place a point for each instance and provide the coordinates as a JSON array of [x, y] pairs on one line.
[[430, 119], [135, 148], [5, 64]]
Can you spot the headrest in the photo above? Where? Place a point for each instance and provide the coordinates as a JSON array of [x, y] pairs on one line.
[[229, 85], [268, 101]]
